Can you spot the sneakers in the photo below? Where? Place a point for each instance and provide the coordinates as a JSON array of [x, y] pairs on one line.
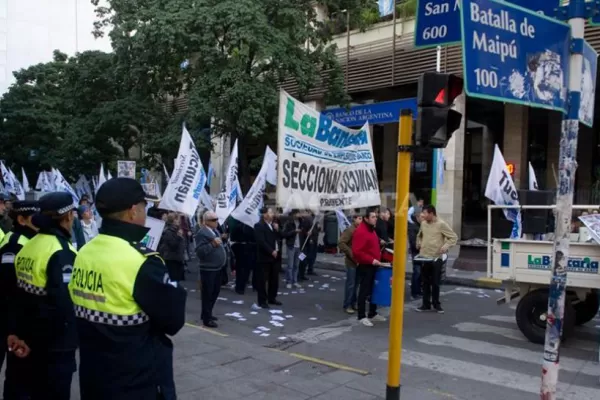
[[366, 322], [349, 310], [288, 286], [439, 309], [297, 286], [379, 318], [422, 309]]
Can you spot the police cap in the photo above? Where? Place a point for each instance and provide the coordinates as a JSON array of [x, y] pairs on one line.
[[56, 204], [119, 194], [25, 208]]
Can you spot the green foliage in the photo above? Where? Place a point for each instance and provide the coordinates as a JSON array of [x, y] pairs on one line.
[[74, 113], [239, 52]]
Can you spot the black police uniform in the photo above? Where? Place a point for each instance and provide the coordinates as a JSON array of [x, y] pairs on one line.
[[15, 382], [132, 360], [45, 318]]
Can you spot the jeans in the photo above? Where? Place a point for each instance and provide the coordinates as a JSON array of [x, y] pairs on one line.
[[211, 287], [293, 263], [350, 289], [431, 273], [415, 280], [365, 275]]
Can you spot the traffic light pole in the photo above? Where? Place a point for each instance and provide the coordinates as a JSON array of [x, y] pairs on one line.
[[564, 204], [399, 267], [436, 152]]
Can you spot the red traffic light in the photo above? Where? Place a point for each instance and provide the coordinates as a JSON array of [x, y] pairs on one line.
[[438, 90]]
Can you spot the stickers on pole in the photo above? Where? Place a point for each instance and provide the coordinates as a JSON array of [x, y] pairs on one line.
[[588, 85], [514, 55], [438, 21]]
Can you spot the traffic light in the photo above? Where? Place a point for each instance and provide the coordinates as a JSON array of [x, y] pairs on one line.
[[436, 121]]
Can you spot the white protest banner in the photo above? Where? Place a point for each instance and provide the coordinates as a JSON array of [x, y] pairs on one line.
[[323, 165], [533, 185], [226, 200], [271, 160], [592, 223], [187, 180], [501, 190], [126, 169], [248, 212], [152, 238]]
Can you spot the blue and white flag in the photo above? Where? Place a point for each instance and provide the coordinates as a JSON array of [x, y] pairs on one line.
[[226, 199], [26, 187], [19, 192], [211, 173], [61, 185], [386, 7], [533, 185], [9, 184], [501, 190], [342, 221], [441, 166]]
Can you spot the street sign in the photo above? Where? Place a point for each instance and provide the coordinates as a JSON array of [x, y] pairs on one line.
[[438, 21], [588, 85], [514, 55]]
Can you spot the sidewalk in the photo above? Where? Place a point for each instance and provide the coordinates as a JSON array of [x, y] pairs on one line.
[[458, 277], [212, 366]]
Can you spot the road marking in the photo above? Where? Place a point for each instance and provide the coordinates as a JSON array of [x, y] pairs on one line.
[[499, 318], [325, 332], [515, 334], [513, 353], [490, 375], [201, 328], [329, 363]]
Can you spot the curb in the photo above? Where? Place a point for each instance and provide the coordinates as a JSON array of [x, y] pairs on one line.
[[481, 283]]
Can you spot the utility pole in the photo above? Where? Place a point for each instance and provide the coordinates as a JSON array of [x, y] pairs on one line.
[[564, 203], [436, 152]]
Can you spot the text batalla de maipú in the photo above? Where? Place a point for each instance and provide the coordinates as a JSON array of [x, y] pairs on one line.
[[499, 20]]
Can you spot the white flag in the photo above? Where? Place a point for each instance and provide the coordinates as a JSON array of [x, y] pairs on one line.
[[101, 177], [342, 221], [19, 192], [187, 181], [26, 187], [9, 184], [226, 200], [533, 185], [45, 182], [206, 200], [271, 159], [108, 175], [248, 212], [61, 185], [502, 191]]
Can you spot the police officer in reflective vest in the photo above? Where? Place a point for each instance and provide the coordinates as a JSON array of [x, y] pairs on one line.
[[125, 303], [15, 382], [45, 319]]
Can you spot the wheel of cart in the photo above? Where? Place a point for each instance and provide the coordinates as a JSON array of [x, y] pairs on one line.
[[532, 312], [586, 310]]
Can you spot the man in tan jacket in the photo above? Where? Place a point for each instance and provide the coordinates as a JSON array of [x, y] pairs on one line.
[[434, 240], [345, 246]]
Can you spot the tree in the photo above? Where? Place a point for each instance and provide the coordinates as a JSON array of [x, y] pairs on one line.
[[235, 55], [74, 113]]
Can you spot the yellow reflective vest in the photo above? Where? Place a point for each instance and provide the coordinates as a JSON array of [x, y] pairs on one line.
[[32, 261], [103, 280]]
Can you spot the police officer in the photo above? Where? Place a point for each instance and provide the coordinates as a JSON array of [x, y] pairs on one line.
[[125, 304], [45, 319], [23, 230]]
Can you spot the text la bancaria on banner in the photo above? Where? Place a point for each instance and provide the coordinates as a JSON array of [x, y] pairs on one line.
[[322, 165]]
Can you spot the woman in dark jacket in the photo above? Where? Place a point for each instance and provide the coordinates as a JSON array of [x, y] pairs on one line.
[[172, 247]]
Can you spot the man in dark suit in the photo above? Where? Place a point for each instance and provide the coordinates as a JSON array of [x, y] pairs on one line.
[[267, 236]]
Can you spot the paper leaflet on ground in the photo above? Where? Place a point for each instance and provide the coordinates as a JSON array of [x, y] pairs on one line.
[[322, 165]]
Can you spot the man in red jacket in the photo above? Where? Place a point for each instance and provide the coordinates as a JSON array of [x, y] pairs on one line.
[[366, 252]]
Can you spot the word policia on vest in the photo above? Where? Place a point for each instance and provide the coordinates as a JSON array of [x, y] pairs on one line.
[[323, 164]]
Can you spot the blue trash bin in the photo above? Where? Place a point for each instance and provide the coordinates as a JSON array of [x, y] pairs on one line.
[[382, 288]]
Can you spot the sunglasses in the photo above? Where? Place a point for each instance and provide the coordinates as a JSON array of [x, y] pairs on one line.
[[213, 220]]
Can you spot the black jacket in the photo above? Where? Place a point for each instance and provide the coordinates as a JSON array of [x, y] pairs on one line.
[[128, 362], [47, 323], [265, 242], [289, 233], [8, 277], [172, 246], [382, 229]]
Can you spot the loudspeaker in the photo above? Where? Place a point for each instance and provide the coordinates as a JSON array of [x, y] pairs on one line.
[[536, 221], [501, 227]]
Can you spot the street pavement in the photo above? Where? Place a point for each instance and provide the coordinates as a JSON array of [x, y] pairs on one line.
[[309, 348]]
